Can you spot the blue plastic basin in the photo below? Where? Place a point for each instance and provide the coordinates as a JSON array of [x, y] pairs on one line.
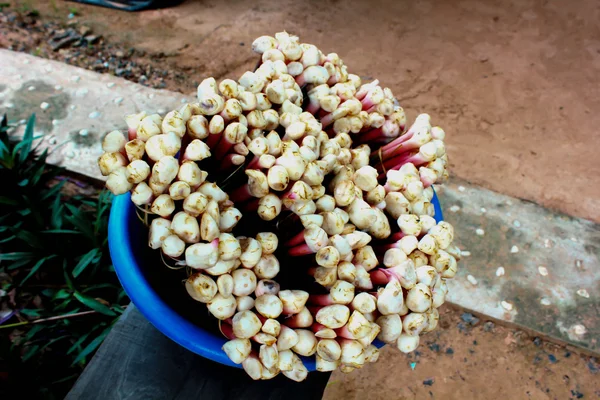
[[136, 266]]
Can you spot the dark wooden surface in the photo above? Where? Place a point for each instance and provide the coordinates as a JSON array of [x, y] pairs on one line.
[[136, 361]]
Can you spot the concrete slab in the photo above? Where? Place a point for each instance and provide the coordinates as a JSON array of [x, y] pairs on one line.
[[543, 265], [551, 277], [74, 107]]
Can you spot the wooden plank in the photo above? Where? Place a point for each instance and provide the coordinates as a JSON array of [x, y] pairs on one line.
[[136, 361]]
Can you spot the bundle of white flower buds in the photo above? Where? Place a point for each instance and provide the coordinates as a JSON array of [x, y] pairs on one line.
[[300, 140]]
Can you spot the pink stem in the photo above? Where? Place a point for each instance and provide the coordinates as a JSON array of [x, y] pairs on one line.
[[317, 327], [301, 250], [379, 277], [397, 162], [240, 194], [320, 299], [253, 164], [223, 147], [313, 106], [387, 131], [343, 332], [365, 89], [367, 102], [132, 133], [227, 162], [295, 240], [227, 329], [212, 140], [293, 321], [396, 236]]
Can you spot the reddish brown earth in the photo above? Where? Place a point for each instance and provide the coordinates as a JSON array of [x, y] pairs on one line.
[[515, 84], [460, 361]]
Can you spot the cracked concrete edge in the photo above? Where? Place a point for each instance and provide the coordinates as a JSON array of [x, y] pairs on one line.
[[525, 264], [74, 107], [84, 105]]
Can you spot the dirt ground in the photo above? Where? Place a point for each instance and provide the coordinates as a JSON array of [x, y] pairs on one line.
[[472, 359], [515, 84]]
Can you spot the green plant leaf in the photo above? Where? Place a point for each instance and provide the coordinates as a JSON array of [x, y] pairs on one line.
[[8, 239], [93, 345], [19, 263], [36, 267], [16, 256], [7, 201], [99, 286], [68, 280], [30, 312], [57, 213], [79, 341], [31, 351], [94, 304], [29, 238], [27, 139], [70, 231], [79, 221], [85, 260], [53, 190], [61, 294]]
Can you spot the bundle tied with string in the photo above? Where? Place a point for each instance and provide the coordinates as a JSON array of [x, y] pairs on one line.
[[299, 201]]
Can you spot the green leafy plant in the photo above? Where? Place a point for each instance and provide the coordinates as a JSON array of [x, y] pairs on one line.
[[59, 295]]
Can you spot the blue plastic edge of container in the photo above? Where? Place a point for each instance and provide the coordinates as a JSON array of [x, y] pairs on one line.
[[163, 317]]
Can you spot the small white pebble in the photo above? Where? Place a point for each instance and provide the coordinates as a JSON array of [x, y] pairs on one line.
[[83, 132], [31, 88], [75, 78], [9, 105], [57, 87], [94, 114], [472, 279], [483, 210], [183, 101], [583, 293], [44, 106], [118, 100], [545, 302], [55, 122], [508, 214], [500, 271], [52, 140], [151, 96], [579, 329], [514, 249], [547, 243], [461, 188], [26, 62], [161, 111], [579, 263], [48, 68], [506, 305], [19, 76], [72, 106], [543, 270], [81, 92], [573, 239], [110, 84], [465, 253], [454, 208], [509, 202], [516, 223], [480, 231], [22, 122], [70, 154]]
